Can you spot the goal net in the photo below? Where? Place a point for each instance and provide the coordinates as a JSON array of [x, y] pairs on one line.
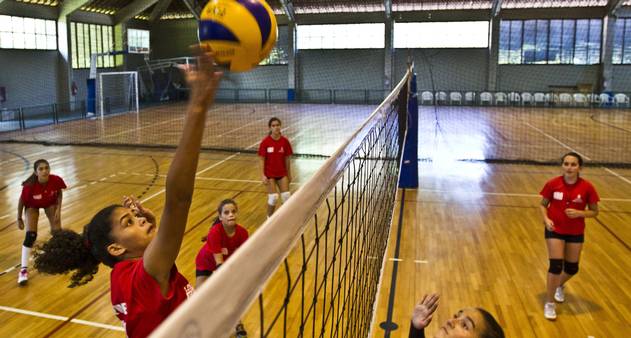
[[117, 93]]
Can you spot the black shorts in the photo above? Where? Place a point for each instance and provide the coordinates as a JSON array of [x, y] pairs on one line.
[[567, 238], [275, 178], [199, 273]]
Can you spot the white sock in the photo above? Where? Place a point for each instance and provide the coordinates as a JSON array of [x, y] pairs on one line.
[[26, 254]]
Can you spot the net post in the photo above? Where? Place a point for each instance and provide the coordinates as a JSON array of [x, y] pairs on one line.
[[409, 163]]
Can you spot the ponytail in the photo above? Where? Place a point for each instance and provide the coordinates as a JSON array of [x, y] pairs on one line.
[[64, 252], [67, 250]]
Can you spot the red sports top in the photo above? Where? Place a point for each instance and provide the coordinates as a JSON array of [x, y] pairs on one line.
[[219, 242], [40, 195], [137, 299], [563, 196], [274, 152]]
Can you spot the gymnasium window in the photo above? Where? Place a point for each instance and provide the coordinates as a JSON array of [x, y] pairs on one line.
[[347, 36], [27, 33], [568, 41], [87, 39], [468, 34], [622, 42], [138, 41]]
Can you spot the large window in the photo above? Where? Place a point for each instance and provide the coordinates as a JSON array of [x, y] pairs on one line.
[[347, 36], [622, 42], [138, 41], [88, 39], [566, 41], [469, 34], [27, 33]]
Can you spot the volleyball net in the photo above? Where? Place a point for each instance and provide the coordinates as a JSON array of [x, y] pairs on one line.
[[313, 268]]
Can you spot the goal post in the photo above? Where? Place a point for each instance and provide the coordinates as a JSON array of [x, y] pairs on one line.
[[117, 92]]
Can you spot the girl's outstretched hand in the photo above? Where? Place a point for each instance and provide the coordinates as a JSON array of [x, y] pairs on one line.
[[423, 311]]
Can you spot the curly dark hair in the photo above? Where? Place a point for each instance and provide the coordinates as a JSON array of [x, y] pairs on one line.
[[493, 328], [67, 250]]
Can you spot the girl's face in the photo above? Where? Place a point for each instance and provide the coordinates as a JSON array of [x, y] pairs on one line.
[[571, 167], [467, 322], [274, 127], [228, 215], [131, 233], [42, 172]]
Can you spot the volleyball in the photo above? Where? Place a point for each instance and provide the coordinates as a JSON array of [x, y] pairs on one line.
[[241, 33]]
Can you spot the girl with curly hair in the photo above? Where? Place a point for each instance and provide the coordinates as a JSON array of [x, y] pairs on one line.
[[145, 283]]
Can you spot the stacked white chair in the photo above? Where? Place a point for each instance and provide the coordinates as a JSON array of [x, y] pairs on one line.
[[621, 100], [500, 99], [593, 99], [564, 100], [526, 98], [427, 98], [540, 98], [605, 99], [514, 98], [469, 98], [455, 98], [486, 98], [441, 97], [580, 100]]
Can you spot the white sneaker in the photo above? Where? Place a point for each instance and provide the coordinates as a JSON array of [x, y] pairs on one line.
[[23, 277], [549, 311], [559, 295]]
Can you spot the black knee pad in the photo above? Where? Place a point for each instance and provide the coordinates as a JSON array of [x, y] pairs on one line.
[[556, 266], [29, 239], [571, 268]]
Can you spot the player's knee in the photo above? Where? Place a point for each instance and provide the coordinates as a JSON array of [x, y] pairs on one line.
[[271, 199], [29, 239], [284, 196], [556, 266], [571, 268]]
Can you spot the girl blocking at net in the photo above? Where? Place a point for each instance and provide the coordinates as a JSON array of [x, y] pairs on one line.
[[42, 190], [145, 283], [468, 322], [563, 203], [274, 152], [224, 238]]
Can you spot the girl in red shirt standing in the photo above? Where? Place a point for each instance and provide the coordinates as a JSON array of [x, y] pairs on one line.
[[563, 203], [145, 284], [41, 190], [274, 152]]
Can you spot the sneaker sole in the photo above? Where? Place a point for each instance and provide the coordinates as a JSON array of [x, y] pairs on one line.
[[550, 318], [559, 300], [22, 283]]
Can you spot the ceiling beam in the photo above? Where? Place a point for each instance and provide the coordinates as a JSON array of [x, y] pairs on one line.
[[288, 7], [69, 6], [496, 8], [160, 8], [613, 6], [194, 7], [387, 4], [131, 10]]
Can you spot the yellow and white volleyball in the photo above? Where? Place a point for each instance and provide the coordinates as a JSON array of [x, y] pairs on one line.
[[241, 33]]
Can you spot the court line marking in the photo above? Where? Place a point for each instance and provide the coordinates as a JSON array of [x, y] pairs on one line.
[[229, 180], [420, 261], [243, 126], [574, 150], [29, 155], [395, 259], [62, 318], [508, 194]]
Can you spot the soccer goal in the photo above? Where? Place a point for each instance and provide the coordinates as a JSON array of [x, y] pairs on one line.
[[117, 92]]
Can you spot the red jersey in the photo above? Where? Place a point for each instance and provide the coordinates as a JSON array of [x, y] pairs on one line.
[[219, 242], [563, 196], [274, 152], [44, 195], [137, 299]]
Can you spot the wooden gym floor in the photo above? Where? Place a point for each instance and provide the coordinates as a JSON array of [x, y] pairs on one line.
[[470, 232]]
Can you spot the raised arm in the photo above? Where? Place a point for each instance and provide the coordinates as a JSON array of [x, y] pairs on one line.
[[163, 250]]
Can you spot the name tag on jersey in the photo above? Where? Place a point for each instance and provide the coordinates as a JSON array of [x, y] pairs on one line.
[[270, 149], [37, 197], [558, 195]]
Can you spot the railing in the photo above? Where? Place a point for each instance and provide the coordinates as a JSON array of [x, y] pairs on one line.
[[36, 116]]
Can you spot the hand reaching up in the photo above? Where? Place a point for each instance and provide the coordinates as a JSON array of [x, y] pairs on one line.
[[423, 311]]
